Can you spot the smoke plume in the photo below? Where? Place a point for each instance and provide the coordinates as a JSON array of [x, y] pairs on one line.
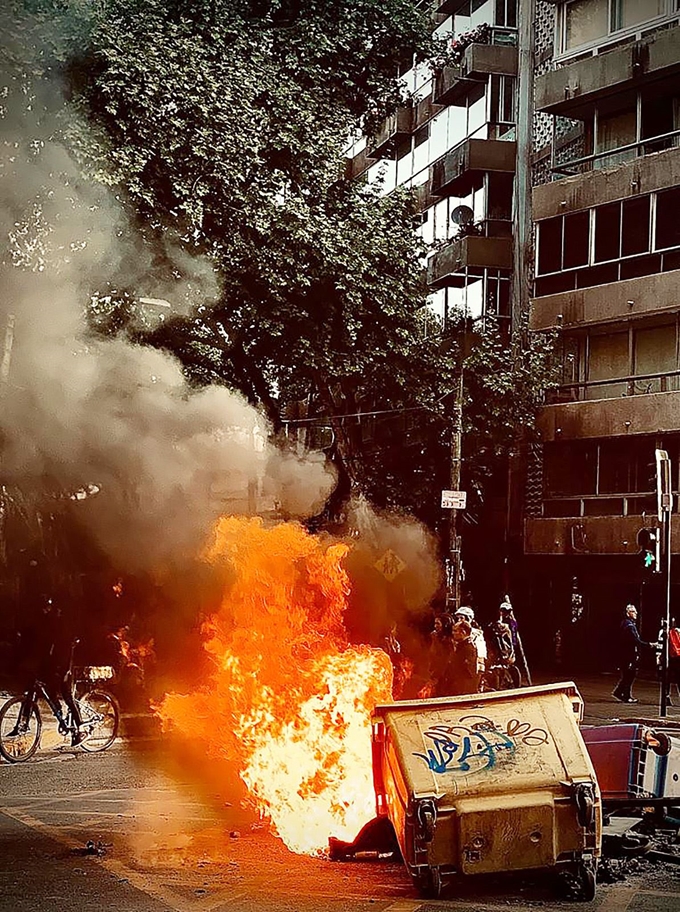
[[148, 463]]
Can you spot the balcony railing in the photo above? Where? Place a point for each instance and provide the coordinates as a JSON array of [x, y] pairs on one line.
[[615, 387], [641, 147]]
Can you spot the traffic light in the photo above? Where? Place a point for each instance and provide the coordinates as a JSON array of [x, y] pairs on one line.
[[649, 542]]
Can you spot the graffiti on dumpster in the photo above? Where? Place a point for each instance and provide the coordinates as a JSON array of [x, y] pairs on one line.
[[475, 743], [514, 728]]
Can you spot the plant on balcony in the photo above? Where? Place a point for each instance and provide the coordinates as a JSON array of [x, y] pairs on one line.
[[454, 53]]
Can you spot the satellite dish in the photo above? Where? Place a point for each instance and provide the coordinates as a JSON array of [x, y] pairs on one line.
[[462, 216]]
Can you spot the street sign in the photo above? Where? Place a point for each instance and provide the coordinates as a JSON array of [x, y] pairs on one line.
[[390, 565], [454, 500]]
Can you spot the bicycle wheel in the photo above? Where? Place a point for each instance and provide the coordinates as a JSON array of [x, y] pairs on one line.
[[100, 718], [19, 731]]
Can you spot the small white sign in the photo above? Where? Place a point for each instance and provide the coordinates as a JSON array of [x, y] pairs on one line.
[[454, 500]]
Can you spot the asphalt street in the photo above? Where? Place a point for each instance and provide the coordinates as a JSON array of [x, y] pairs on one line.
[[142, 828]]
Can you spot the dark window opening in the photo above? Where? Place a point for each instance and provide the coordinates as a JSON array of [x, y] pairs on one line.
[[635, 226], [576, 234], [550, 245], [570, 468], [597, 275], [657, 119], [500, 196], [554, 284], [641, 266], [668, 218], [607, 232]]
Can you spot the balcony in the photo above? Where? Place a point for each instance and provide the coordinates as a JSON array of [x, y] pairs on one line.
[[452, 84], [610, 303], [358, 165], [583, 191], [424, 111], [470, 254], [588, 534], [394, 128], [625, 415], [450, 7], [572, 89], [463, 167]]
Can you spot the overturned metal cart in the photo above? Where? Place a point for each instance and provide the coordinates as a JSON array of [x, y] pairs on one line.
[[487, 783]]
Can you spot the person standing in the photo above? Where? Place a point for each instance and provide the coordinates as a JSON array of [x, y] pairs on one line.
[[477, 635], [630, 642], [507, 614], [463, 675]]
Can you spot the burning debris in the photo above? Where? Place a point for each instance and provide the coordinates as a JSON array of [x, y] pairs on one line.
[[289, 699]]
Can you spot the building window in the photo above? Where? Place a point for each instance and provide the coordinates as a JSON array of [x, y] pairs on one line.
[[586, 23], [668, 218]]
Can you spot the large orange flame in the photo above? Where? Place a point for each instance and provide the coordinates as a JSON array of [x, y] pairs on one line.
[[289, 699]]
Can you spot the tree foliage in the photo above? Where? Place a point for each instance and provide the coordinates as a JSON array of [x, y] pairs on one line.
[[220, 127]]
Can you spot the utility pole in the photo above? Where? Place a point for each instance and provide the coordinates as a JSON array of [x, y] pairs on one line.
[[665, 505], [454, 567]]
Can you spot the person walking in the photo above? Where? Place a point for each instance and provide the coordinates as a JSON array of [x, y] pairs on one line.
[[630, 642]]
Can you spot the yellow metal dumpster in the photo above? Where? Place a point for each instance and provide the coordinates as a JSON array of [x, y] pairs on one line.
[[489, 782]]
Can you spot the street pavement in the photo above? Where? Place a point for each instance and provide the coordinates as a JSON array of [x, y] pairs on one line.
[[145, 827]]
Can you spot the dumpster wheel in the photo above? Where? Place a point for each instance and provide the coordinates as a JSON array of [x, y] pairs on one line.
[[429, 883], [587, 874]]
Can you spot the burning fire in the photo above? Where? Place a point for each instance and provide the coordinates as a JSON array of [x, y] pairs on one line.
[[289, 699]]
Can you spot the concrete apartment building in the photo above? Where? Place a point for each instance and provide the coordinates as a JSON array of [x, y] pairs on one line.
[[605, 169], [606, 209]]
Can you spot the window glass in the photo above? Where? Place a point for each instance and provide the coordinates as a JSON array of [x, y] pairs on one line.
[[476, 112], [668, 218], [481, 11], [632, 12], [607, 232], [635, 229], [613, 131], [608, 358], [550, 245], [585, 21], [654, 353]]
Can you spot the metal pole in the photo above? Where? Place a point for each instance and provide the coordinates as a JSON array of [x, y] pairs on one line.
[[666, 626], [453, 576], [522, 217]]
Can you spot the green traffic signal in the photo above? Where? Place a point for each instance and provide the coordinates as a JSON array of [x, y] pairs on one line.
[[649, 560]]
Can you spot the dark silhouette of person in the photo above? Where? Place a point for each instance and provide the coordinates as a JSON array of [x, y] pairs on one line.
[[52, 644], [463, 676], [630, 642]]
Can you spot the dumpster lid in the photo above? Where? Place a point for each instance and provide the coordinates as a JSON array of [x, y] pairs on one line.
[[525, 739]]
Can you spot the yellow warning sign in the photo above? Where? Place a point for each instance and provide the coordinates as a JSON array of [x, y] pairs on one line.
[[390, 565]]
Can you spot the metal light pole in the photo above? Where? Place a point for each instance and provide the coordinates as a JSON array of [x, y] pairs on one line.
[[665, 505]]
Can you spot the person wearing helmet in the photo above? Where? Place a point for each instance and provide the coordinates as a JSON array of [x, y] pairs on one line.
[[466, 613]]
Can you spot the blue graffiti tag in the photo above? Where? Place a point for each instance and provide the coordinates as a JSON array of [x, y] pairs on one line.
[[457, 748]]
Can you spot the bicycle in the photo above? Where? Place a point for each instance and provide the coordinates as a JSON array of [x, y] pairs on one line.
[[21, 720]]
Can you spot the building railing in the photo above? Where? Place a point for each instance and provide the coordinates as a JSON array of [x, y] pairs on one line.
[[577, 506], [609, 153], [633, 385]]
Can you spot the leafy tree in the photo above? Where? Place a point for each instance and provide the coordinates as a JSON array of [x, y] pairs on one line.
[[220, 126]]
